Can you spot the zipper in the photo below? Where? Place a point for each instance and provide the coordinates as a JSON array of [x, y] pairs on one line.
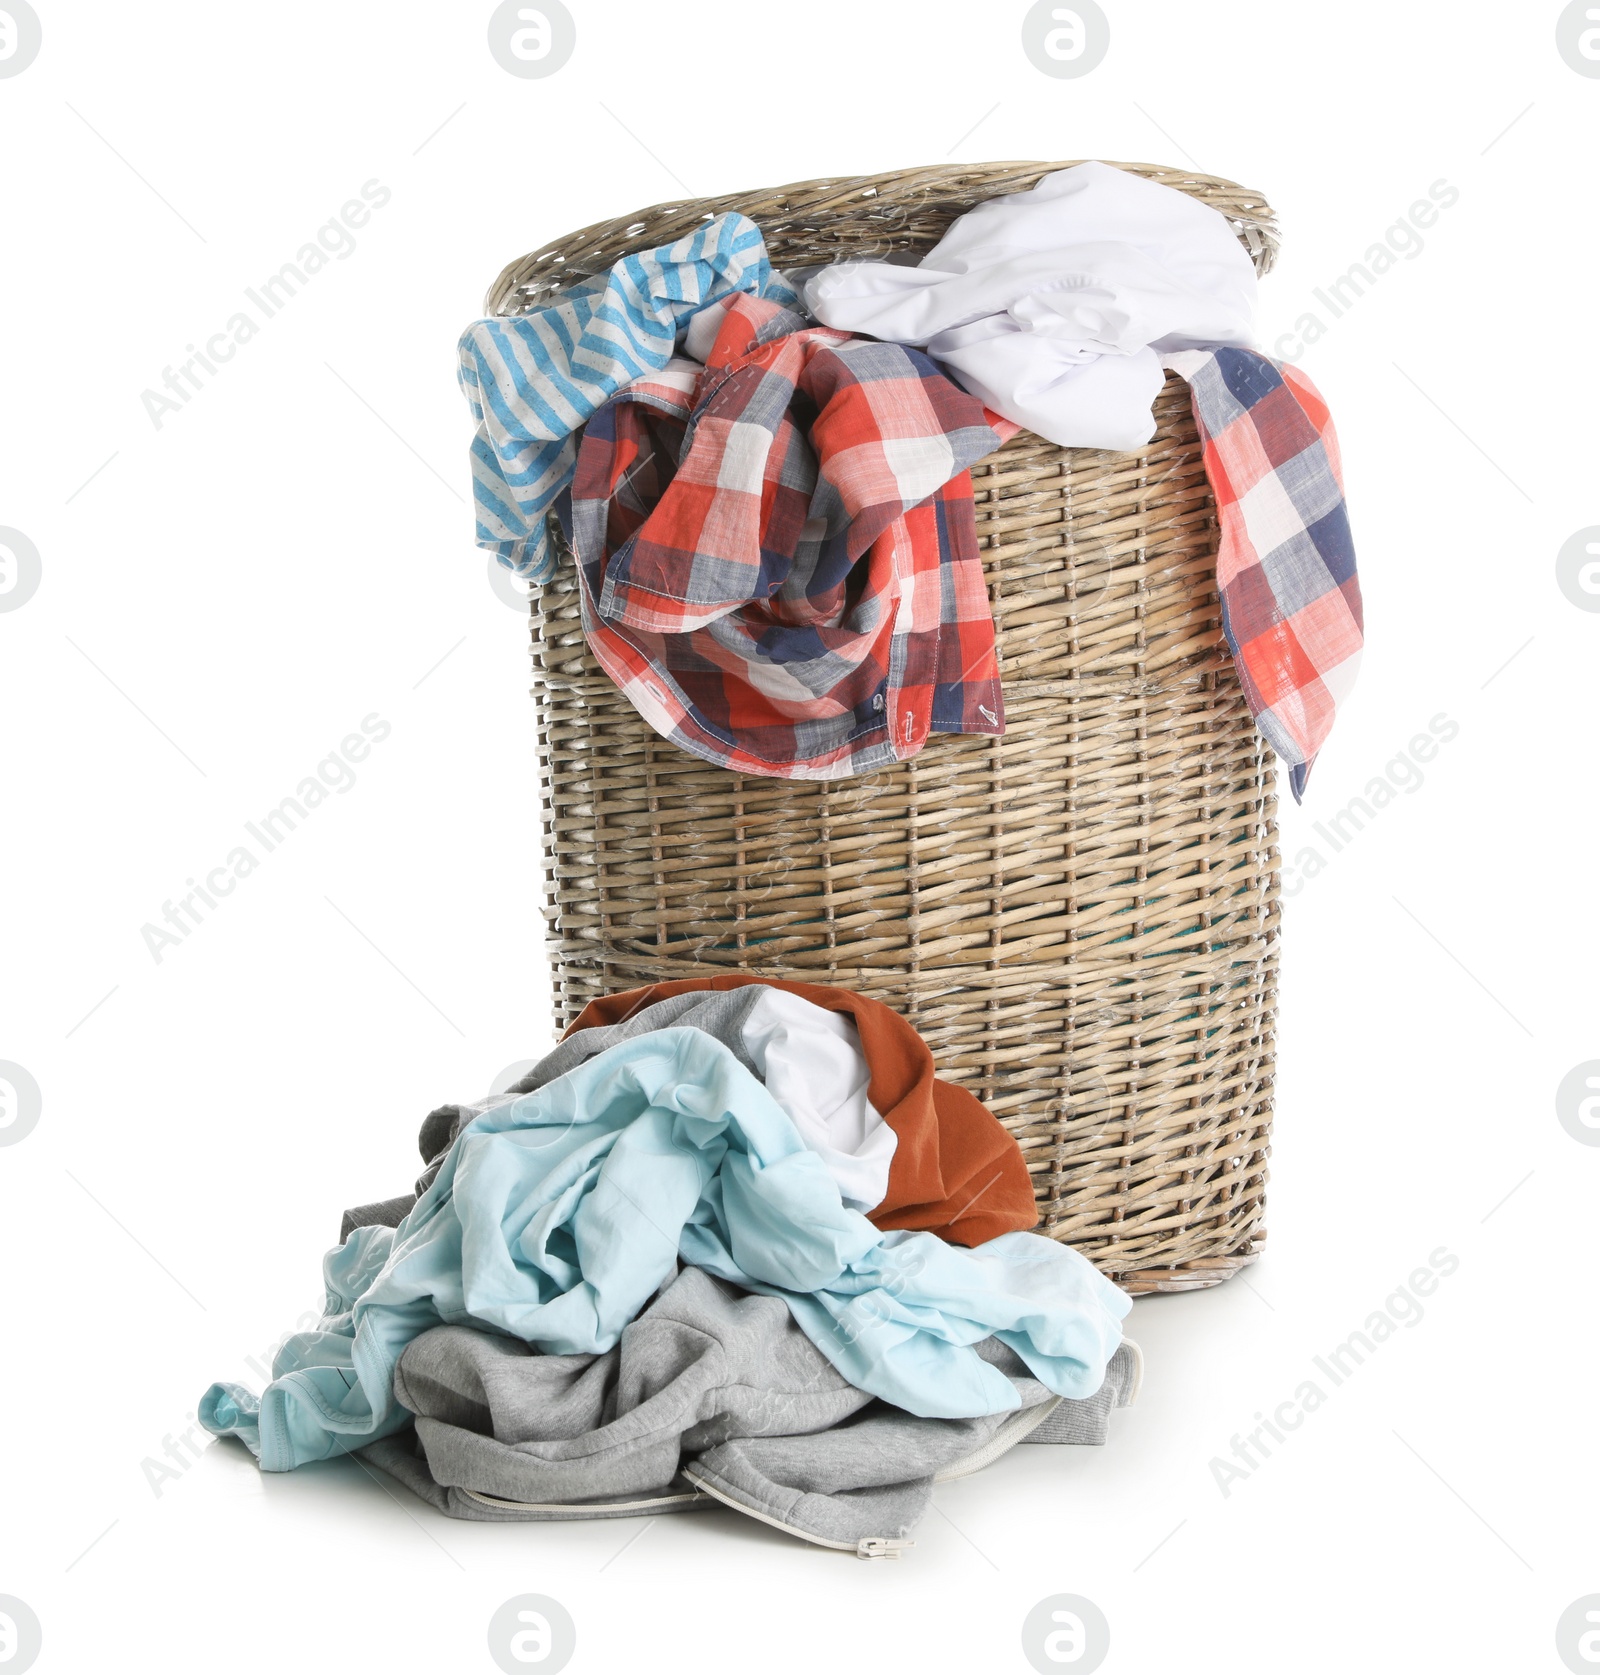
[[1002, 1442], [586, 1506], [868, 1547], [1138, 1372], [1019, 1426]]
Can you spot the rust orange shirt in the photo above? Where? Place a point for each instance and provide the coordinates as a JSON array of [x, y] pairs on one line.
[[956, 1172]]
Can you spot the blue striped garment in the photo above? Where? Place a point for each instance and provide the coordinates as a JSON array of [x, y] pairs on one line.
[[534, 379]]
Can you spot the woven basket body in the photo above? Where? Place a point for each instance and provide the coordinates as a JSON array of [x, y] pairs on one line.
[[1080, 917]]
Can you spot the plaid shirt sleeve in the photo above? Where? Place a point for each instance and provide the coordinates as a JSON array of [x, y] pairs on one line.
[[1286, 567]]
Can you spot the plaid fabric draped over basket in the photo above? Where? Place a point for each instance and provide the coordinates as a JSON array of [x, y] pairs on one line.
[[1081, 915]]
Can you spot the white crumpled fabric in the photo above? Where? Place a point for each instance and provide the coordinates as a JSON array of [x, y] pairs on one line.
[[1055, 306], [812, 1064]]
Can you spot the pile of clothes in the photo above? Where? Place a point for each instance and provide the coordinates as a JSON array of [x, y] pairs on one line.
[[763, 477], [731, 1241]]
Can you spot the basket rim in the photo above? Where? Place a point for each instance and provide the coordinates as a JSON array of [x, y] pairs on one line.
[[587, 250]]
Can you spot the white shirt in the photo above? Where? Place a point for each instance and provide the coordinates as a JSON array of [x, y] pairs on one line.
[[1053, 306], [813, 1066]]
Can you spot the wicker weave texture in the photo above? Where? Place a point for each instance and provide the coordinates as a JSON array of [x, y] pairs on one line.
[[1081, 917]]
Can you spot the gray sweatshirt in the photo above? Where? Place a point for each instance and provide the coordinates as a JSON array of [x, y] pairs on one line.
[[712, 1395]]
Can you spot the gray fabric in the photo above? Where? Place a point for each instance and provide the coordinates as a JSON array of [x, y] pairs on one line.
[[719, 1012], [703, 1362], [1086, 1422], [387, 1212], [867, 1479], [403, 1459], [709, 1385]]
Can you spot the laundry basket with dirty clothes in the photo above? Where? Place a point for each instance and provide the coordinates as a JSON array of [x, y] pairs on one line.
[[1080, 915]]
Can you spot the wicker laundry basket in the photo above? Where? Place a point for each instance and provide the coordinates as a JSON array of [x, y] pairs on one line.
[[1081, 917]]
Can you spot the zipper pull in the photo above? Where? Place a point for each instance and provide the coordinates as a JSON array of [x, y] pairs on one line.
[[881, 1547]]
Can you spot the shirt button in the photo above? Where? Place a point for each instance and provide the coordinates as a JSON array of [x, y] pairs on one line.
[[877, 700]]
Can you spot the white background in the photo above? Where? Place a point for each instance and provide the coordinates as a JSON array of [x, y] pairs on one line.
[[226, 596]]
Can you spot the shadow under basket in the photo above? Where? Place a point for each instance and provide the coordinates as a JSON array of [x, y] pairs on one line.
[[1081, 917]]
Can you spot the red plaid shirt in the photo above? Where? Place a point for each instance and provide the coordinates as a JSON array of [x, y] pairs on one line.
[[778, 556]]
